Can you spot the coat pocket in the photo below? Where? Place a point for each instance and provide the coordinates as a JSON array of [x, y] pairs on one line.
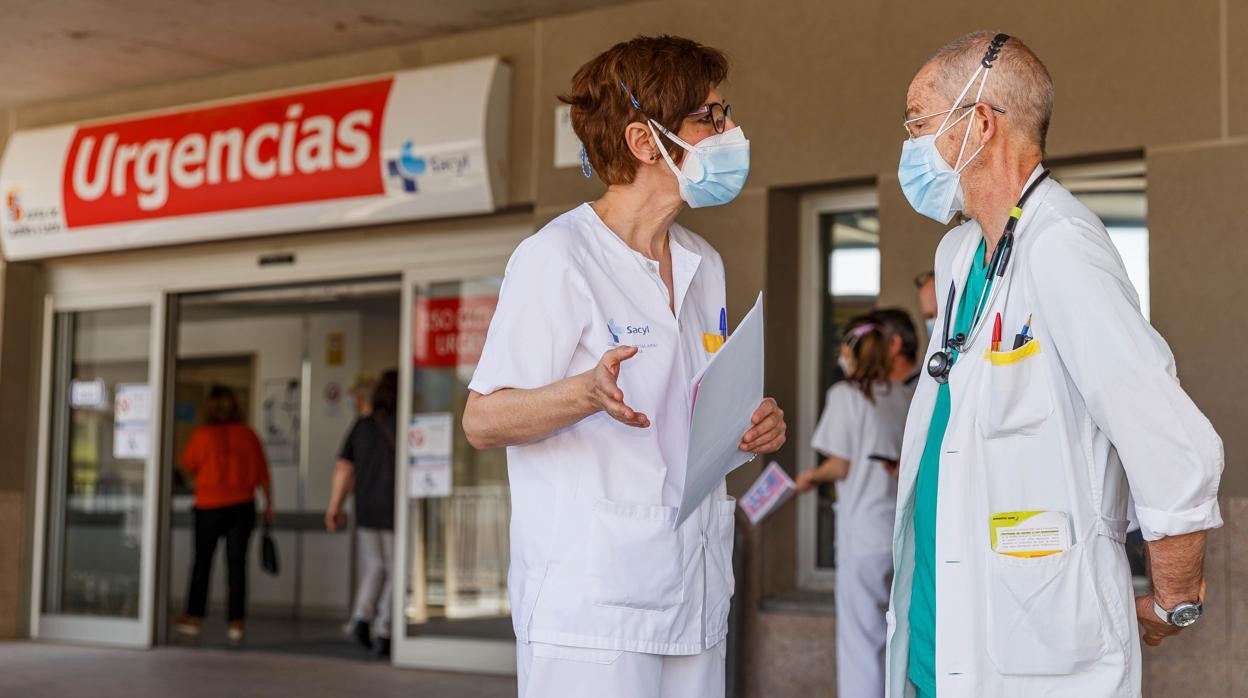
[[1044, 617], [635, 556], [1014, 396]]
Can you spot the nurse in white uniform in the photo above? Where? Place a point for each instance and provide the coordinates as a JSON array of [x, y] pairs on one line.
[[604, 317], [859, 435], [1021, 446]]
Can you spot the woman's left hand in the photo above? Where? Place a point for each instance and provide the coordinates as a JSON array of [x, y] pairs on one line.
[[767, 434]]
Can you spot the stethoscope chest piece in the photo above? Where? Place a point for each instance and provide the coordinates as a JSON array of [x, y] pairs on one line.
[[939, 365]]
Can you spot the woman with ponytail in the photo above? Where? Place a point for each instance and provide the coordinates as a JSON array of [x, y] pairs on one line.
[[859, 438]]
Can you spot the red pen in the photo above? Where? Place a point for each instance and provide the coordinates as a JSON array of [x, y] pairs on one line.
[[996, 334]]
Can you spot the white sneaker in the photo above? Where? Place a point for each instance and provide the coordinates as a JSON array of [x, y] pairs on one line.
[[235, 633], [187, 626]]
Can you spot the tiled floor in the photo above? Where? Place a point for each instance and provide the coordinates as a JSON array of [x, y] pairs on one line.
[[38, 670]]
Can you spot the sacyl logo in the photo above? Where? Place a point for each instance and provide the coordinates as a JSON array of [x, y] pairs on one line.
[[407, 167], [615, 331]]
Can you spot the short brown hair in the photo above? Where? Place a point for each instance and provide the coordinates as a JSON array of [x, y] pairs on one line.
[[668, 75]]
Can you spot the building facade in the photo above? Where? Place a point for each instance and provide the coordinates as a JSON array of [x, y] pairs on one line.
[[1151, 115]]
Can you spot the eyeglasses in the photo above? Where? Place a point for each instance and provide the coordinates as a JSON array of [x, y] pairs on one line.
[[716, 114], [923, 278], [910, 129]]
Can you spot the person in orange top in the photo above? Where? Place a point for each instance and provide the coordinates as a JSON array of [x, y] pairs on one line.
[[225, 460]]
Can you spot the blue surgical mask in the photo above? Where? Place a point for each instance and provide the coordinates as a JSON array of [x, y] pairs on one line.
[[714, 171], [932, 186]]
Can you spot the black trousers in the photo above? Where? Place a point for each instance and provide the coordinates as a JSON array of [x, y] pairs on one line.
[[235, 523]]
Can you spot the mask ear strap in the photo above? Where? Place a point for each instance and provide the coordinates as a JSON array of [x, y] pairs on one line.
[[985, 65], [961, 95], [959, 165], [663, 149]]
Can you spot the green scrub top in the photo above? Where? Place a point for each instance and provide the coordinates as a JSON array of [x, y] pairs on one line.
[[922, 670]]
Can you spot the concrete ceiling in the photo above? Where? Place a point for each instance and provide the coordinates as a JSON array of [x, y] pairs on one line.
[[54, 49]]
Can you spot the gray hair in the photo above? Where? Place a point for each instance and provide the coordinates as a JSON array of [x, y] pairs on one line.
[[1018, 82]]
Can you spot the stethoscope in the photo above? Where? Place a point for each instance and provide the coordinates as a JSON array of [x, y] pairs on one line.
[[941, 363]]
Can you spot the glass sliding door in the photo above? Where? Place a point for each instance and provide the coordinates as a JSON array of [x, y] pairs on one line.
[[97, 483], [452, 547]]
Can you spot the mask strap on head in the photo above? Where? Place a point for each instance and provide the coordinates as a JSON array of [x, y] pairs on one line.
[[981, 72], [653, 125]]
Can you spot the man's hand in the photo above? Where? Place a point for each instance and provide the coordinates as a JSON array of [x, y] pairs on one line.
[[767, 434], [604, 391], [1155, 630]]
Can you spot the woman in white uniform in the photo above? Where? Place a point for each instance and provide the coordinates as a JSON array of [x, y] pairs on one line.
[[604, 317], [859, 435]]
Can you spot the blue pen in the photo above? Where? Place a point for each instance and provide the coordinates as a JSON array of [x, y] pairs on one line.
[[1024, 336], [723, 323]]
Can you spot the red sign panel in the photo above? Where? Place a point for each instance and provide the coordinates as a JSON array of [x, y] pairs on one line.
[[448, 332], [294, 148]]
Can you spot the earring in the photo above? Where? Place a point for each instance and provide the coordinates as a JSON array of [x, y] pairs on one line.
[[654, 156]]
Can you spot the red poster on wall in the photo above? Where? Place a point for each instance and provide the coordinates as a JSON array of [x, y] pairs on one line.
[[449, 332]]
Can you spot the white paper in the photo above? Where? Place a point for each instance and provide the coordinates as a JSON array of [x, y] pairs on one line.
[[132, 411], [88, 395], [131, 441], [725, 396], [133, 403], [429, 451], [567, 145]]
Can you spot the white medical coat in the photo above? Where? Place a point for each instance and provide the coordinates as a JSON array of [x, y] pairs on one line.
[[1089, 409], [595, 561]]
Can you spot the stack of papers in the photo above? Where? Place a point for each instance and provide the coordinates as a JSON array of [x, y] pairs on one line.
[[725, 395]]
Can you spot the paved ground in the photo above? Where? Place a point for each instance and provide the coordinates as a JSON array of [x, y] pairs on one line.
[[39, 670]]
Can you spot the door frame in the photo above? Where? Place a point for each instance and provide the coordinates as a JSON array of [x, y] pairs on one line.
[[434, 652], [810, 330], [424, 249], [123, 632]]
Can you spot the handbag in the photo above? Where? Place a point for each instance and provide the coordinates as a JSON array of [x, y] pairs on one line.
[[268, 552]]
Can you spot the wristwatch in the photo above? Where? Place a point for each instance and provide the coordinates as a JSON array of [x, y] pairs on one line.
[[1180, 616]]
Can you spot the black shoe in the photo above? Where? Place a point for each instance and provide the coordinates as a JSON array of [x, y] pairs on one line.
[[382, 648], [362, 634]]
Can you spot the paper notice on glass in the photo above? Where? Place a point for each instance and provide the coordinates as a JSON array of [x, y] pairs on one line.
[[725, 396], [429, 444], [132, 411], [773, 488], [88, 395], [131, 441]]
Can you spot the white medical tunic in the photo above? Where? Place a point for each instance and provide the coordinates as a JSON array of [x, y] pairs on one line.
[[595, 560], [855, 428], [1070, 422]]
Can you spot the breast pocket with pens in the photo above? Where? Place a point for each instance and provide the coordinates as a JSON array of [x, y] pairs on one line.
[[1015, 399], [713, 342]]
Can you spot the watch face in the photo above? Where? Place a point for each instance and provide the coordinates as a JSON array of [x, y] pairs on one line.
[[1185, 615]]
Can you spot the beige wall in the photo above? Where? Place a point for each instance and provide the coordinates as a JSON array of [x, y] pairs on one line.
[[819, 87]]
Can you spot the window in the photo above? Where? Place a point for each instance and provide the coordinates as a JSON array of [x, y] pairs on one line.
[[840, 279], [1115, 192]]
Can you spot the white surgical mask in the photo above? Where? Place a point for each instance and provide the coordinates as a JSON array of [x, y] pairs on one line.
[[932, 186], [846, 367]]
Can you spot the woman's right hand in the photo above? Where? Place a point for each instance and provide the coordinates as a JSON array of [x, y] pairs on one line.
[[604, 391], [805, 481]]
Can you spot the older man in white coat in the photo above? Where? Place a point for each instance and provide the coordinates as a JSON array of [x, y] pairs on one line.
[[1048, 399]]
